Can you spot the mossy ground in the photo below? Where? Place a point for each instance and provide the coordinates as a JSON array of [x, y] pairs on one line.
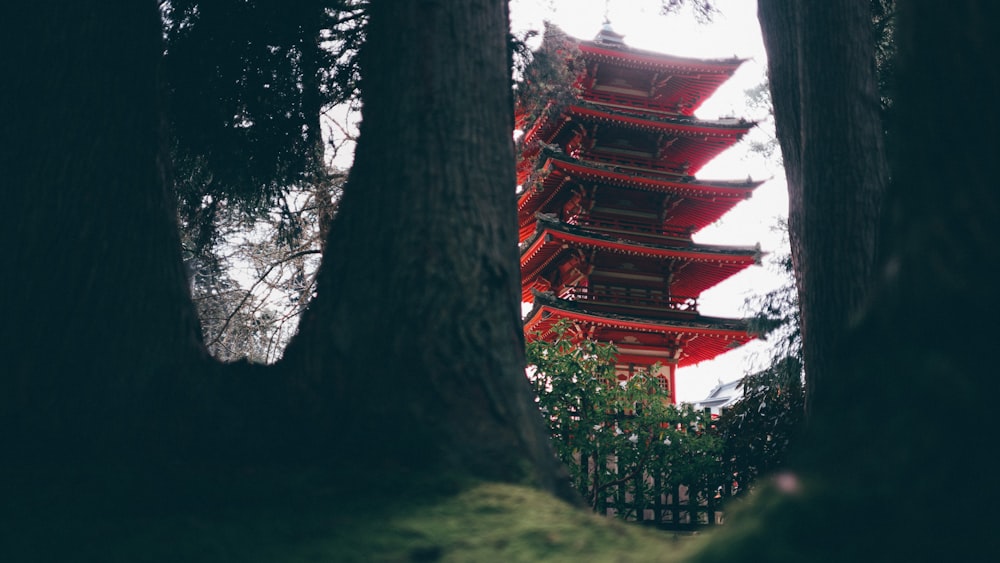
[[305, 517]]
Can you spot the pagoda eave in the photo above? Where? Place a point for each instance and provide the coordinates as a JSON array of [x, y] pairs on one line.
[[547, 126], [665, 84], [639, 58], [702, 202], [692, 142], [694, 340], [703, 266], [685, 125], [553, 234]]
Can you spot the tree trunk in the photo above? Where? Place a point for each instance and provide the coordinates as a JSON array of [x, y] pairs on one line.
[[900, 464], [98, 319], [821, 62], [412, 355], [103, 354], [415, 336], [931, 331]]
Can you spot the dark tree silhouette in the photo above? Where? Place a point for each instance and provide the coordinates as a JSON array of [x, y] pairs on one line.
[[835, 162], [416, 331], [897, 340], [417, 328], [101, 329], [413, 355]]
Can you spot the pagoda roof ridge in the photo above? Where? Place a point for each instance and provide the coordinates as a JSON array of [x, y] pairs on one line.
[[546, 221], [749, 182], [658, 58], [555, 152], [549, 299], [677, 119]]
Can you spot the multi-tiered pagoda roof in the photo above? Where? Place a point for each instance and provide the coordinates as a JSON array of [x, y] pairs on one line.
[[690, 204], [609, 203]]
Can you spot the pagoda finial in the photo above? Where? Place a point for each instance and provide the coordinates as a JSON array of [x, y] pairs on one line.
[[608, 35]]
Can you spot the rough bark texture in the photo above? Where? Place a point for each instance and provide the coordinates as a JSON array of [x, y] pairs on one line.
[[903, 470], [413, 355], [826, 103], [932, 325], [103, 353], [98, 320], [415, 335]]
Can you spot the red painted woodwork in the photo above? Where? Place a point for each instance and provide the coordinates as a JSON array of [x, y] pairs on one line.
[[650, 81], [687, 205], [608, 204]]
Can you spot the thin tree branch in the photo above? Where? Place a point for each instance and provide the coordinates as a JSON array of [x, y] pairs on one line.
[[249, 292]]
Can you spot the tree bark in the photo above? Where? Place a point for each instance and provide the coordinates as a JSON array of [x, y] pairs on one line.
[[98, 318], [826, 102], [930, 330], [103, 355], [412, 355], [900, 466], [415, 336]]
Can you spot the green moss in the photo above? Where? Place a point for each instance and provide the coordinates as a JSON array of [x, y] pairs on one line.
[[305, 517], [494, 522], [815, 522]]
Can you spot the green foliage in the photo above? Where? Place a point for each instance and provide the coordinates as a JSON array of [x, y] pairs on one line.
[[762, 139], [619, 437], [545, 84], [884, 26], [775, 314], [703, 10], [245, 83], [254, 276], [759, 429]]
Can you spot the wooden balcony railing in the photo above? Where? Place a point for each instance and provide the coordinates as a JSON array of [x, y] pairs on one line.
[[632, 227], [633, 298], [628, 102], [640, 164]]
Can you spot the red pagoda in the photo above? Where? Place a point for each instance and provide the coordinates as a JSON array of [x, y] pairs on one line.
[[608, 203]]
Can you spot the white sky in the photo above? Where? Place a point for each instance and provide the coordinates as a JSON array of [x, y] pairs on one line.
[[733, 32]]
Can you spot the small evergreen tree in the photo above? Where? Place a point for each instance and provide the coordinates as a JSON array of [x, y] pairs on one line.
[[758, 430], [620, 438]]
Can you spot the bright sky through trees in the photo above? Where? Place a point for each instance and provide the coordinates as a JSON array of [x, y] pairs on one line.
[[732, 32]]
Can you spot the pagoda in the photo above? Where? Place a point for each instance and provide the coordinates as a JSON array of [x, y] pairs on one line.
[[608, 203]]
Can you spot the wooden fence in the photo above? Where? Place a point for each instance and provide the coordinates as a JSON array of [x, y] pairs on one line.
[[653, 500]]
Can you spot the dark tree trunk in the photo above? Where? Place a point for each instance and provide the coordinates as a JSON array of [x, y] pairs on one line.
[[415, 335], [900, 466], [412, 355], [821, 62], [931, 331], [98, 319]]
